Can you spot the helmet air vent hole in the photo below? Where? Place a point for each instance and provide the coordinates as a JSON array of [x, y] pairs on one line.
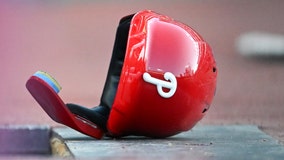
[[204, 110], [214, 69]]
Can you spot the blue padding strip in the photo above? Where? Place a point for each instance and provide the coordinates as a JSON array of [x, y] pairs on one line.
[[47, 80]]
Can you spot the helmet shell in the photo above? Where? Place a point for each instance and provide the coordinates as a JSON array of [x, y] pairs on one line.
[[158, 46]]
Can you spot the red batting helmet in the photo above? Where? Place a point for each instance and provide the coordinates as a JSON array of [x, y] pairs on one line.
[[168, 79]]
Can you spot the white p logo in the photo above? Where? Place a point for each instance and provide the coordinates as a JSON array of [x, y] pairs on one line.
[[170, 83]]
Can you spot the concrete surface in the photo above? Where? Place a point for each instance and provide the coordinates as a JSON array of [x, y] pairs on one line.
[[203, 142], [24, 139]]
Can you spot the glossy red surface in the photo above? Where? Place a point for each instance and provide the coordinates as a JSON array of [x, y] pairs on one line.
[[158, 44]]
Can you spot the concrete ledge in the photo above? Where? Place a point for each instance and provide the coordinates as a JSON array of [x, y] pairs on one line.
[[24, 139], [203, 142]]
